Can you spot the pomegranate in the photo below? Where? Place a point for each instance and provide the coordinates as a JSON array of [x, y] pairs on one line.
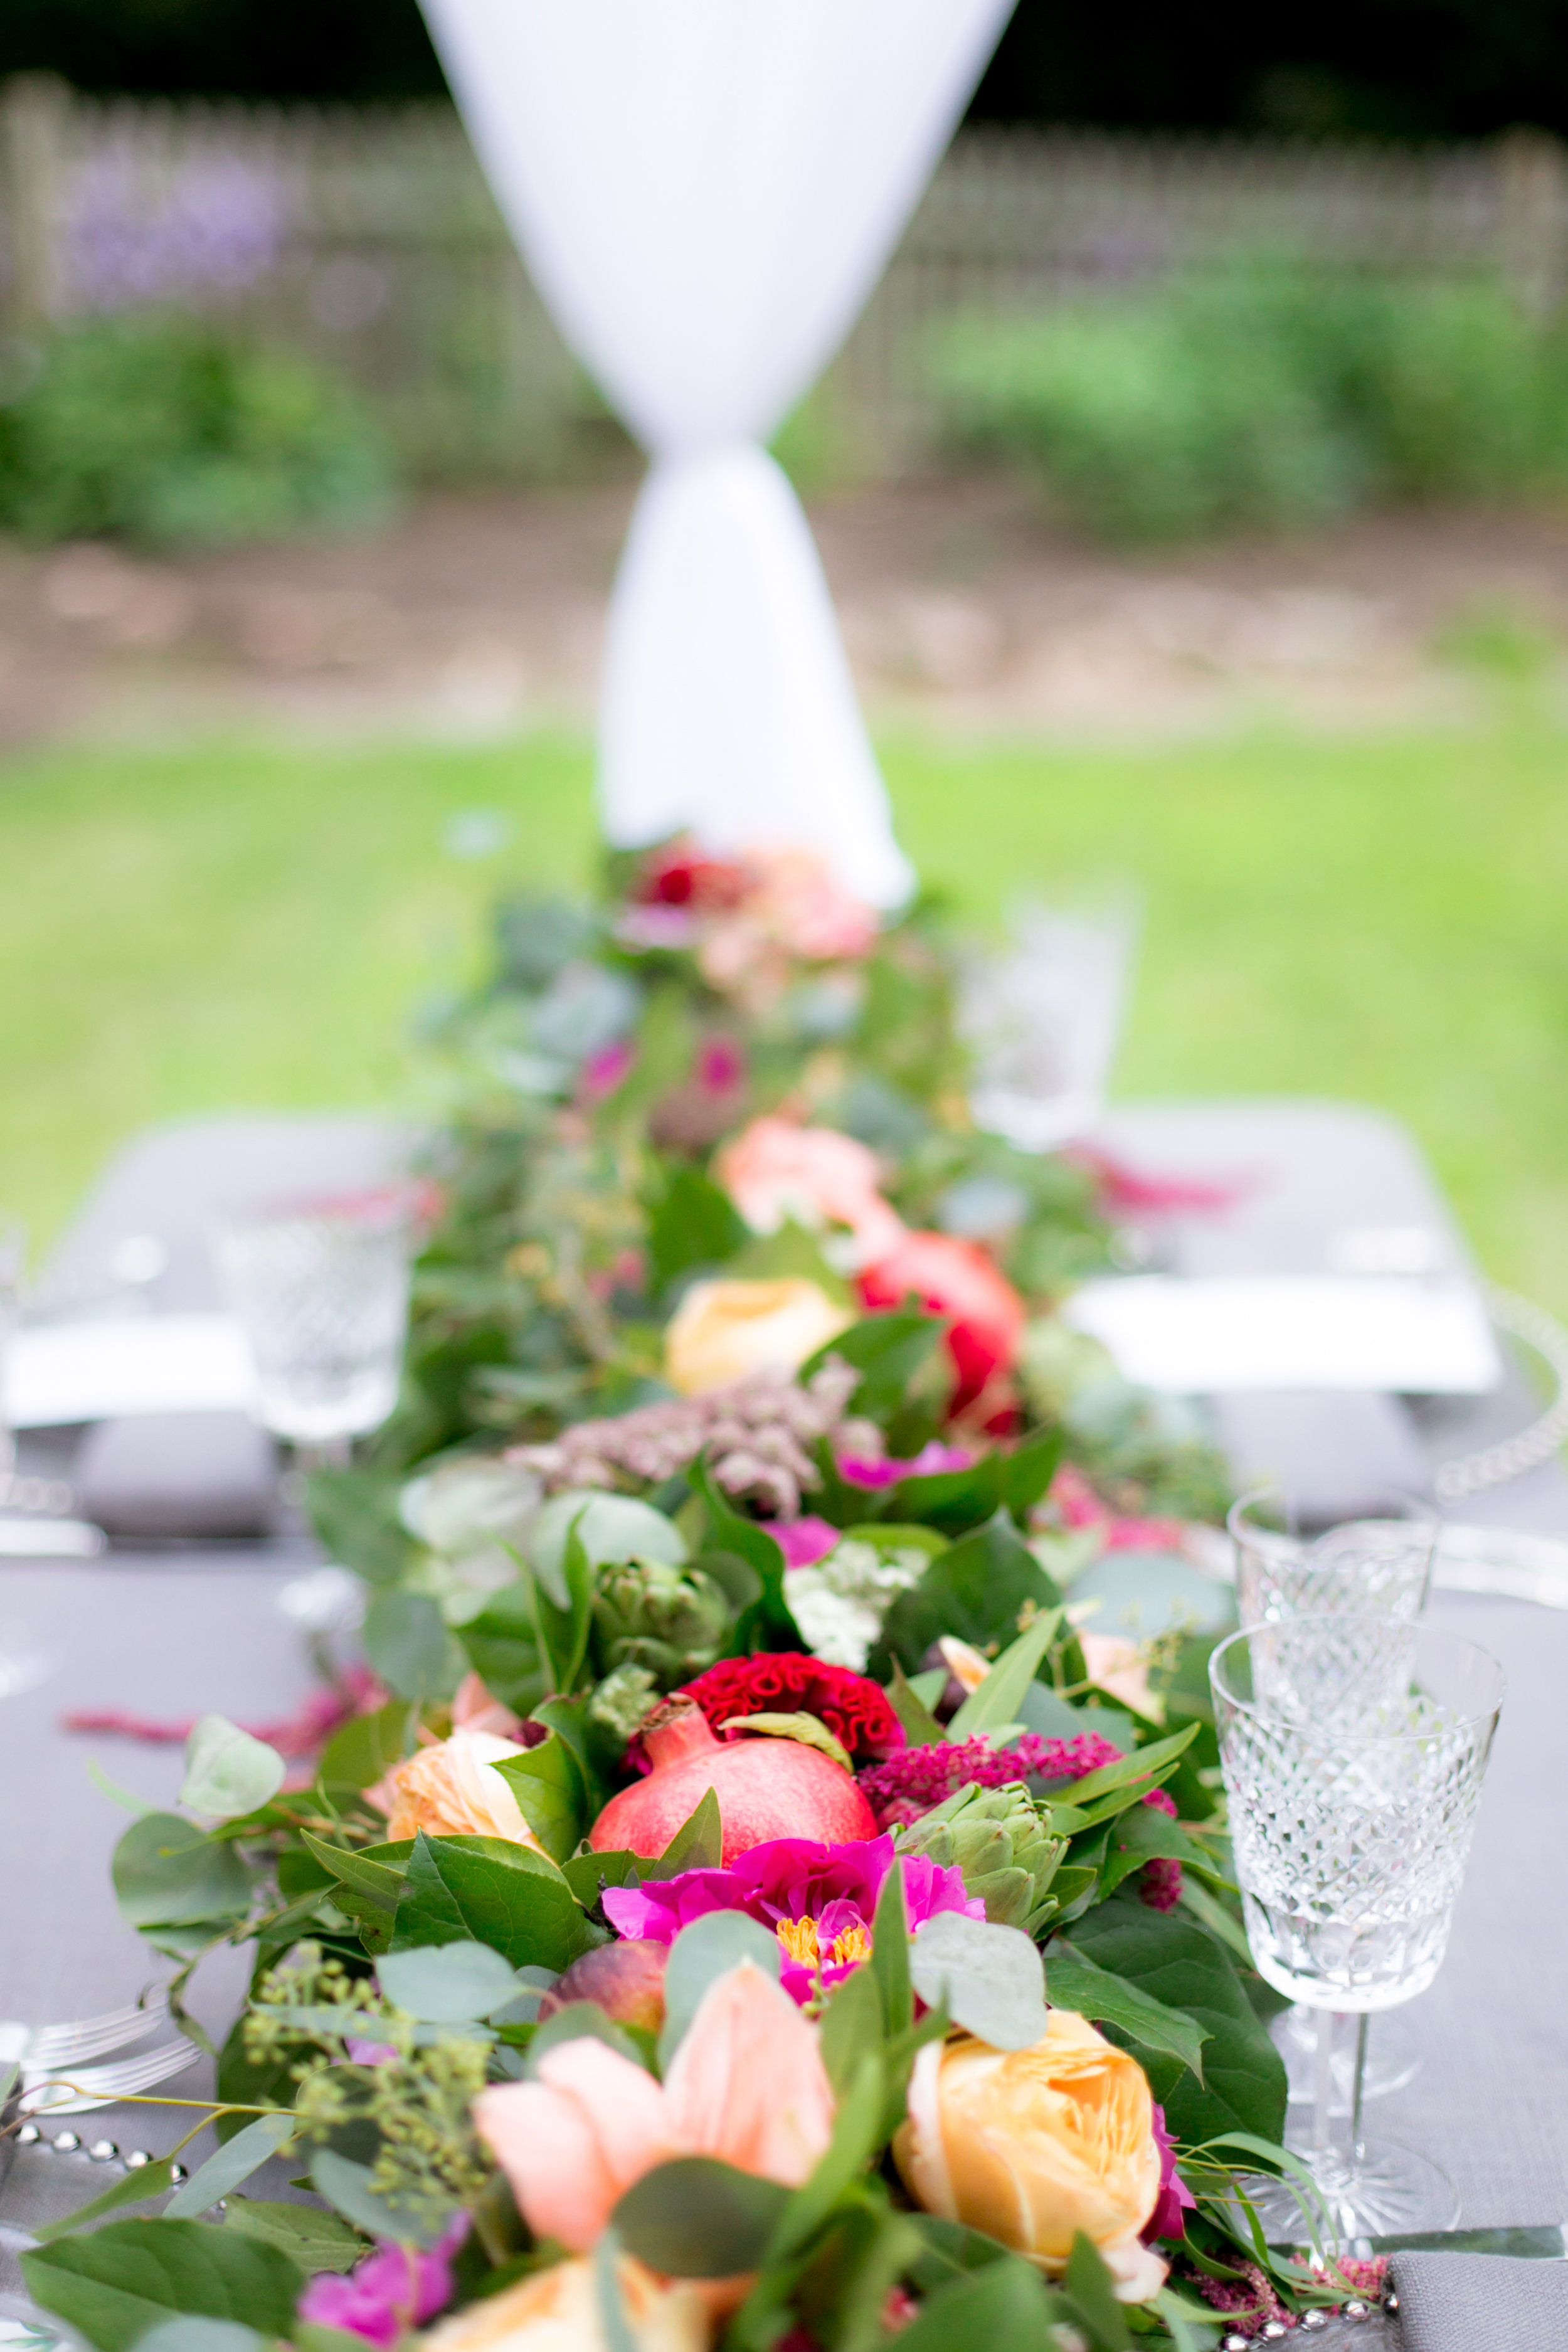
[[766, 1789]]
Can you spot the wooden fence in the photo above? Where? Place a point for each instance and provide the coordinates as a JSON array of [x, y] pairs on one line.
[[369, 239]]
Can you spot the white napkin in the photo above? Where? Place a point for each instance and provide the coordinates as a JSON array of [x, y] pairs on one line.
[[98, 1371]]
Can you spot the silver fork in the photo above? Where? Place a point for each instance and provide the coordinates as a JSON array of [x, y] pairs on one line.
[[60, 2090], [87, 2037]]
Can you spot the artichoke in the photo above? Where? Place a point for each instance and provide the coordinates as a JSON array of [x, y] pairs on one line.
[[671, 1620], [999, 1841]]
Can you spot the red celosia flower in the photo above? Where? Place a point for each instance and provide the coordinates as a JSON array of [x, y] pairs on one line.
[[855, 1709], [910, 1783]]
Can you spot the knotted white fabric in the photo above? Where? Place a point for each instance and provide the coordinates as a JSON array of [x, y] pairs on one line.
[[705, 192]]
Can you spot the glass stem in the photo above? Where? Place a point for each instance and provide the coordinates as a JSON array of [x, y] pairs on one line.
[[1362, 2023], [1323, 2083]]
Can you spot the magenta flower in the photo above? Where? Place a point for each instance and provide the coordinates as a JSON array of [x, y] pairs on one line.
[[803, 1541], [396, 2288], [1175, 2198], [858, 1470], [602, 1072], [819, 1900]]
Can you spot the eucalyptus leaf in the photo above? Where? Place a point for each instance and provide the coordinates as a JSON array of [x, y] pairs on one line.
[[987, 1978], [611, 1528], [406, 1641], [234, 2161], [702, 1952], [698, 2218], [169, 1873], [115, 2283], [447, 1984], [349, 2187], [227, 1772], [190, 2335]]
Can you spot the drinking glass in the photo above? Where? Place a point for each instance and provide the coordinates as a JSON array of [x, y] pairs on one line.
[[320, 1287], [1353, 1751], [1045, 1020], [1378, 1564]]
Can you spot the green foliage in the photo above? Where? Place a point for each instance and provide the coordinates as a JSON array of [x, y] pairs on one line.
[[488, 1891], [171, 430], [976, 1590], [1243, 2085], [114, 2283], [1273, 391]]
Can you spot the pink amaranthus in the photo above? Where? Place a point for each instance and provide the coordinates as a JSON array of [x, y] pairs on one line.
[[910, 1783]]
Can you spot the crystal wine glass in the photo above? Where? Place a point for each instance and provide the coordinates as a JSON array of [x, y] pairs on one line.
[[1353, 1750], [1377, 1564], [321, 1288]]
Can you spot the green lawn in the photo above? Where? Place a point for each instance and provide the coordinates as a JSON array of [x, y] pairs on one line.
[[1385, 919]]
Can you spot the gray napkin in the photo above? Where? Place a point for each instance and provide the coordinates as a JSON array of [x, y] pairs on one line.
[[161, 1475], [1466, 2303]]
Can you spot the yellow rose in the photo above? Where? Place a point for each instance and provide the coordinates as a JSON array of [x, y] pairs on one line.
[[1032, 2145], [558, 2311], [728, 1331], [453, 1790]]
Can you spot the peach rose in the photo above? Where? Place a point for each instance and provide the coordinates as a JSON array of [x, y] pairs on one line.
[[558, 2311], [1032, 2145], [452, 1790], [728, 1331], [747, 2085], [775, 1170]]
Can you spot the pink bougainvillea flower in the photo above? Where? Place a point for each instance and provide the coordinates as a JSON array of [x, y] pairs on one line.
[[747, 2085], [1175, 2198], [803, 1541], [393, 2290], [932, 1459], [819, 1900]]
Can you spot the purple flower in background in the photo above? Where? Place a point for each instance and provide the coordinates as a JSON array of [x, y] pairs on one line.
[[393, 2289], [214, 225]]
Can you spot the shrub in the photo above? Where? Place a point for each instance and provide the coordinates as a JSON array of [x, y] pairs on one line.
[[1265, 393], [172, 430]]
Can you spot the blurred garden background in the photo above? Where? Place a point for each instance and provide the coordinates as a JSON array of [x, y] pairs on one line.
[[1194, 493]]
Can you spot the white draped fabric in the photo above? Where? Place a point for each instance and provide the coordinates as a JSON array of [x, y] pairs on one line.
[[705, 192]]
